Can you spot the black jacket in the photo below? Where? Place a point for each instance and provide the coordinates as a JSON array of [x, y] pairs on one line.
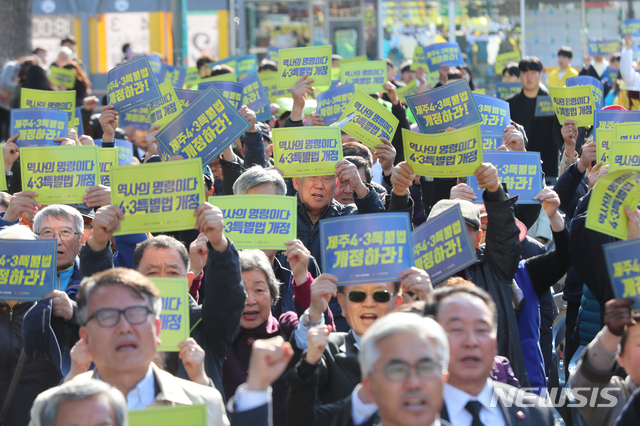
[[36, 377]]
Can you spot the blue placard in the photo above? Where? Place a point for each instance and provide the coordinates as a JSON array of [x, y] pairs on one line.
[[156, 64], [544, 107], [611, 76], [272, 53], [203, 130], [447, 106], [264, 114], [623, 265], [39, 126], [630, 26], [80, 124], [504, 90], [27, 269], [132, 85], [187, 97], [440, 54], [137, 117], [596, 87], [332, 103], [607, 119], [125, 152], [519, 171], [176, 75], [365, 249], [247, 64], [603, 48], [495, 114], [442, 246], [254, 94], [229, 90]]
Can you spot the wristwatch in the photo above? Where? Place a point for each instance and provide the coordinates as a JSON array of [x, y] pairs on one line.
[[306, 321]]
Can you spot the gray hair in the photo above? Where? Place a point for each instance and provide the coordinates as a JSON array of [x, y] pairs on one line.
[[256, 260], [50, 401], [401, 322], [17, 232], [257, 175], [60, 212]]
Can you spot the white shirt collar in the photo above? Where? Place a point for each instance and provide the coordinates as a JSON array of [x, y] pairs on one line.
[[456, 399], [361, 412], [144, 393], [357, 344]]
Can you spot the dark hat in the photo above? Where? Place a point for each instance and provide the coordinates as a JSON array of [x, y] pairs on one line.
[[84, 210], [470, 212], [265, 130], [40, 334]]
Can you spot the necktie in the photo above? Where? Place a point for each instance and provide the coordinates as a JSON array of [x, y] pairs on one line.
[[474, 408]]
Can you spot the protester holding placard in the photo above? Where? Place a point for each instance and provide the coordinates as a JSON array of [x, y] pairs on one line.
[[54, 314], [558, 77]]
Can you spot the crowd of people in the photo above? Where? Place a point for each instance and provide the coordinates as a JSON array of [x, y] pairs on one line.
[[273, 339]]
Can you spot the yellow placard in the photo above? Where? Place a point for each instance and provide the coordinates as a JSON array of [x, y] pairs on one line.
[[624, 151], [409, 89], [505, 58], [361, 58], [258, 221], [174, 317], [456, 153], [307, 151], [296, 62], [3, 177], [371, 121], [612, 192], [59, 174], [168, 107], [107, 158], [177, 415], [157, 197], [367, 76], [604, 139], [60, 100], [62, 77], [574, 103]]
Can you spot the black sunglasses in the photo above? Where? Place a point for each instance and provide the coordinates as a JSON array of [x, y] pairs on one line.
[[358, 296]]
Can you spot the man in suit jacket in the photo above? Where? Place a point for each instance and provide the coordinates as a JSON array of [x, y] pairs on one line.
[[119, 312], [468, 315], [362, 305]]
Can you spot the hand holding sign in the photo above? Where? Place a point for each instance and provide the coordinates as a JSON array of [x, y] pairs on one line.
[[322, 289], [570, 135], [11, 152], [416, 281], [513, 139], [198, 253], [106, 222], [299, 93], [97, 196], [22, 202], [385, 153], [211, 223], [617, 315], [550, 205], [269, 358]]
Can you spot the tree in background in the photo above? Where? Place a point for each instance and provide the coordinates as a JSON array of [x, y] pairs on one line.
[[15, 29]]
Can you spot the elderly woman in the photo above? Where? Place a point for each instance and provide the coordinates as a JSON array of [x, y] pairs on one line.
[[257, 322]]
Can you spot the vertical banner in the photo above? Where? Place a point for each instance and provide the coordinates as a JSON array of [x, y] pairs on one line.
[[365, 249]]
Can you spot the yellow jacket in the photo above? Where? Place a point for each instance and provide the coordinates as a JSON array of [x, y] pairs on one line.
[[554, 81]]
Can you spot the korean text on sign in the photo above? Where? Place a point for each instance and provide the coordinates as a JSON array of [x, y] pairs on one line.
[[612, 192], [270, 81], [371, 120], [246, 65], [596, 87], [38, 126], [107, 158], [630, 26], [165, 109], [157, 197], [544, 107], [186, 97], [27, 269], [174, 75], [174, 316], [307, 151], [131, 84], [136, 117], [452, 105], [367, 76], [60, 174], [203, 130], [258, 221], [451, 154], [254, 94], [623, 265], [602, 48], [624, 151], [605, 123], [504, 90], [230, 90], [295, 63], [436, 55], [62, 77], [504, 58], [366, 248], [192, 78], [573, 103], [496, 116], [332, 103], [519, 171], [60, 100], [442, 246]]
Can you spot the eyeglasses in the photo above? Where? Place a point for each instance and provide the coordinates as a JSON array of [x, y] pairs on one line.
[[110, 317], [65, 234], [358, 296], [397, 371]]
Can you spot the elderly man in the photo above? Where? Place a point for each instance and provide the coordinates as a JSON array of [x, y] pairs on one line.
[[119, 311], [216, 322], [468, 315], [38, 374], [87, 403], [362, 305]]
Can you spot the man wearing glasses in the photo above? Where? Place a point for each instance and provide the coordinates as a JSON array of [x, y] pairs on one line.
[[119, 312], [362, 305]]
